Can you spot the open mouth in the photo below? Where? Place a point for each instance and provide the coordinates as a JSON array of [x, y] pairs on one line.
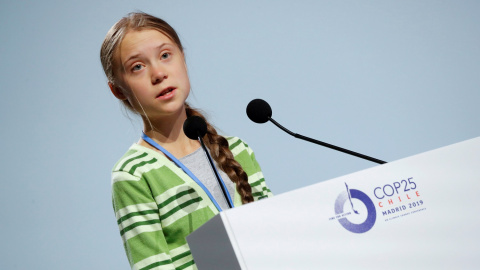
[[166, 92]]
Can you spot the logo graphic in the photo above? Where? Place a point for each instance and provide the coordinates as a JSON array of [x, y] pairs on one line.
[[364, 213]]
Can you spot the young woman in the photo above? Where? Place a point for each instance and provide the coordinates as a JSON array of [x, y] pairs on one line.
[[163, 188]]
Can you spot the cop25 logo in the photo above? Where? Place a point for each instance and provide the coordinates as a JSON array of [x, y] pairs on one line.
[[364, 213]]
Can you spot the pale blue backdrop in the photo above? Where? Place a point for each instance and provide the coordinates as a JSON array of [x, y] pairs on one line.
[[388, 79]]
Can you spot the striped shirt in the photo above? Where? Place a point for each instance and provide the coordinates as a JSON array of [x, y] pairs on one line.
[[157, 205]]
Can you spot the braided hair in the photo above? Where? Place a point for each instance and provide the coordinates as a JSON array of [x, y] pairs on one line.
[[221, 153]]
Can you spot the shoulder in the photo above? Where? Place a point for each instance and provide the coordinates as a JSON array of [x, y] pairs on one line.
[[243, 154], [135, 162], [238, 146]]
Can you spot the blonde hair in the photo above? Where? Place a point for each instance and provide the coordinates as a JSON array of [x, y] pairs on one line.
[[217, 144]]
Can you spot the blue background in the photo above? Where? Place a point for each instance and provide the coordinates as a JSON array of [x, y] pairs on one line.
[[388, 79]]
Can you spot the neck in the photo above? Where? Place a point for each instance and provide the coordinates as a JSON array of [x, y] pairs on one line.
[[168, 132]]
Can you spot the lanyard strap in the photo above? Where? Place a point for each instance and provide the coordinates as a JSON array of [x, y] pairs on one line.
[[186, 170]]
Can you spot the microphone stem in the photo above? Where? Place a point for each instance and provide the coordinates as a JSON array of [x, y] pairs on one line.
[[327, 144], [212, 165]]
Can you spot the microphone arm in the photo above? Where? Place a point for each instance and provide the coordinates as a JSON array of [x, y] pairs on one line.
[[326, 144]]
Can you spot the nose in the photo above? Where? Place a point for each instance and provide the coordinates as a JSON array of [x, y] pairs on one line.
[[158, 74]]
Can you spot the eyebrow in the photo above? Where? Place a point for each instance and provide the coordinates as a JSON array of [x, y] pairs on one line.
[[137, 55]]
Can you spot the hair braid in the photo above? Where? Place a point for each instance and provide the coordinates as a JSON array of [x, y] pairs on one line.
[[221, 153]]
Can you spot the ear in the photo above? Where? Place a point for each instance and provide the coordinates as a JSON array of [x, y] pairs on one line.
[[116, 91]]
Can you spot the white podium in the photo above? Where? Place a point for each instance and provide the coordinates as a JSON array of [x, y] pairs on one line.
[[415, 213]]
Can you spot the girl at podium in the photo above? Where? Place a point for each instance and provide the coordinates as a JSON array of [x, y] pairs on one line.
[[162, 187]]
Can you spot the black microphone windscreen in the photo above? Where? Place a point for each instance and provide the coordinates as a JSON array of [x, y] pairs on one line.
[[195, 126], [259, 111]]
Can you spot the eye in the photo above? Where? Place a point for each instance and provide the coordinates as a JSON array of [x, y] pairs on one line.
[[165, 55], [137, 67]]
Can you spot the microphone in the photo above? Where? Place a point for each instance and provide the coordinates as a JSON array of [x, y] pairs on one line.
[[260, 112], [195, 128]]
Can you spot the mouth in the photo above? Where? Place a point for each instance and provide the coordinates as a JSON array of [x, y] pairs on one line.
[[166, 92]]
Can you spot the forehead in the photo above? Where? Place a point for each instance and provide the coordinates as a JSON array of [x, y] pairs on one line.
[[136, 42]]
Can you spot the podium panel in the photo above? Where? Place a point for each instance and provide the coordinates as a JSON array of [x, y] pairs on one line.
[[414, 213]]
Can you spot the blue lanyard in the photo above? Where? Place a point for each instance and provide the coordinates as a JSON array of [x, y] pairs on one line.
[[186, 170]]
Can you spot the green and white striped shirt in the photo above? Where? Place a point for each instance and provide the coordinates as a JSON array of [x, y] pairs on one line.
[[157, 205]]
